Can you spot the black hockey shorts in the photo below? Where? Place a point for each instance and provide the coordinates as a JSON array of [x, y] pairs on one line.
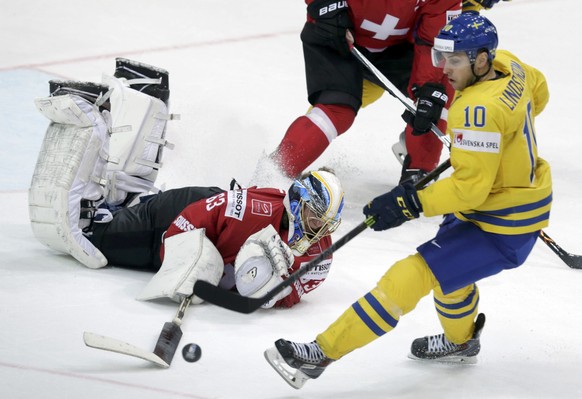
[[134, 237], [333, 79]]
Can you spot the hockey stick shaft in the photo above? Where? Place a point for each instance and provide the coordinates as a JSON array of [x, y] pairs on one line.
[[242, 304], [394, 92], [171, 334], [573, 261]]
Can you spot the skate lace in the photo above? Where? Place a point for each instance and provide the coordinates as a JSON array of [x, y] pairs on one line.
[[310, 353], [439, 343]]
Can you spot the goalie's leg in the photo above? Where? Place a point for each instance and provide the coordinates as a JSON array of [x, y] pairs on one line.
[[68, 178], [95, 93], [148, 79], [139, 112], [133, 237]]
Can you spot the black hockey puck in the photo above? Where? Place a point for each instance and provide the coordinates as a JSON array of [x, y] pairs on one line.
[[191, 353]]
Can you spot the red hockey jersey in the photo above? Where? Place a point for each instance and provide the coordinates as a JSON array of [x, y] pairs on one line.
[[379, 24], [231, 217]]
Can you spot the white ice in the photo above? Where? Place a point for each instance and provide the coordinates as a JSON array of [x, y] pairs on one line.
[[237, 79]]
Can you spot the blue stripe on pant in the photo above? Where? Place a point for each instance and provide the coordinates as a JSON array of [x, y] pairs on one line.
[[379, 310]]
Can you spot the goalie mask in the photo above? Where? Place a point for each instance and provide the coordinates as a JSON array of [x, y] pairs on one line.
[[315, 204]]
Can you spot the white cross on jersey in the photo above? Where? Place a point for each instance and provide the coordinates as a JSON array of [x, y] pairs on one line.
[[386, 29]]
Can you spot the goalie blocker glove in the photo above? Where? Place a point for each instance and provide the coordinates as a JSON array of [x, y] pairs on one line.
[[394, 208], [330, 24]]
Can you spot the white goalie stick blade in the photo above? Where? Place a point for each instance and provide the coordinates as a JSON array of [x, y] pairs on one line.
[[293, 377], [114, 345]]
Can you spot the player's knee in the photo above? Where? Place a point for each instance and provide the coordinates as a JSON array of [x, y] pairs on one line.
[[341, 116], [406, 282]]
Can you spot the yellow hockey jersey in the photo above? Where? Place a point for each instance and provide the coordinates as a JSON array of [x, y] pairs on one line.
[[499, 182]]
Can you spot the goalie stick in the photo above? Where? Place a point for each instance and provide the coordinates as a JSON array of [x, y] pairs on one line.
[[573, 261], [242, 304], [164, 350]]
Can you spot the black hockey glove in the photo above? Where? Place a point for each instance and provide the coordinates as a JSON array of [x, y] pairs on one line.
[[331, 23], [431, 99], [394, 208]]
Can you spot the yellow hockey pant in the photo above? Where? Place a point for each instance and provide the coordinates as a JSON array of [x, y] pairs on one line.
[[396, 294]]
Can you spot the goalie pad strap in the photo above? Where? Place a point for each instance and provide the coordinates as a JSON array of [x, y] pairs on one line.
[[102, 99], [145, 162], [120, 129], [144, 81]]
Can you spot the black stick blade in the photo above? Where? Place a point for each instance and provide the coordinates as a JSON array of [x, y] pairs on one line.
[[227, 299], [242, 304], [571, 260], [168, 342]]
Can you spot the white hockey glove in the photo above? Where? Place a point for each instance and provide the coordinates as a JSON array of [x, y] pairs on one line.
[[262, 262]]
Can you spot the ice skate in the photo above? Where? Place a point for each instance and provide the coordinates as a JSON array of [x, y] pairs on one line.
[[411, 175], [439, 348], [297, 362], [399, 148]]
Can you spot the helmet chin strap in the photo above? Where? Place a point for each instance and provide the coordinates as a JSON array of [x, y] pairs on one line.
[[476, 77]]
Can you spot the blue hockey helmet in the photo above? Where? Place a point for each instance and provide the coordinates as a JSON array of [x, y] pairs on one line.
[[316, 201], [471, 33]]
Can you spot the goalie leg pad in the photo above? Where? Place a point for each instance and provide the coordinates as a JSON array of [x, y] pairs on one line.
[[95, 93], [137, 140], [146, 78], [69, 170], [188, 257]]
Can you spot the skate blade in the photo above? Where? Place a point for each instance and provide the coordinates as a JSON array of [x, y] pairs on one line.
[[293, 377], [447, 359]]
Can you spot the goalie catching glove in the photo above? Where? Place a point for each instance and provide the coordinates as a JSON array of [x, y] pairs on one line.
[[263, 262]]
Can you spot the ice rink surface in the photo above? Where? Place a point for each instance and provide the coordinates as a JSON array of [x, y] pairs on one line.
[[236, 76]]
